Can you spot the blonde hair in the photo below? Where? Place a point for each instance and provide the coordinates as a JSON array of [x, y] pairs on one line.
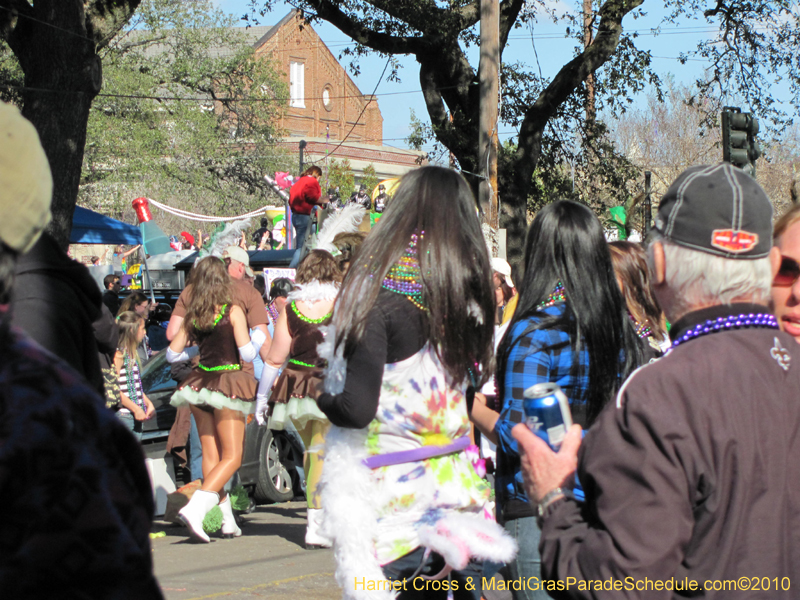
[[791, 217], [129, 323]]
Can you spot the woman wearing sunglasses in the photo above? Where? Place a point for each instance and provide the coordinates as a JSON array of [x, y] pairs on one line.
[[786, 285]]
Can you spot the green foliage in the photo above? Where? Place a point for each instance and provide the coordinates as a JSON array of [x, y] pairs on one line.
[[369, 178], [340, 174], [10, 75], [755, 48], [186, 116]]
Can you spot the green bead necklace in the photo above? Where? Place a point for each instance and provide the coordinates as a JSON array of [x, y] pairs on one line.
[[302, 317]]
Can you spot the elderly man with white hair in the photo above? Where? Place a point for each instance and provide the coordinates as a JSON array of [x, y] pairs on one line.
[[690, 476]]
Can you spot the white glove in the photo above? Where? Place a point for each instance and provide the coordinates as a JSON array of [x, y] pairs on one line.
[[258, 337], [268, 376], [247, 352], [187, 354]]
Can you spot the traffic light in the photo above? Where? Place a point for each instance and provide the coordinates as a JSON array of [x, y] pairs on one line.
[[739, 144]]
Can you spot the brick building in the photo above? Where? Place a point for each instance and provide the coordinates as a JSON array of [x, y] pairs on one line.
[[326, 108]]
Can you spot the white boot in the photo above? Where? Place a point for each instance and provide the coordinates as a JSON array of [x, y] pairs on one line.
[[229, 527], [314, 537], [195, 511]]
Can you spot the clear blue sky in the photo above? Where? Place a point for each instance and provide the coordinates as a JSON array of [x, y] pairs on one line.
[[396, 100]]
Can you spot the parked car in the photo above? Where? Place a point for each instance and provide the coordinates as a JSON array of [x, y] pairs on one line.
[[271, 458]]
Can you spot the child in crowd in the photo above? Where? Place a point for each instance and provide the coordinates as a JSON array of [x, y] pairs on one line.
[[136, 406]]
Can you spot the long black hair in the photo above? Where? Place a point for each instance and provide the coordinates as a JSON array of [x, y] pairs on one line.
[[453, 258], [566, 244]]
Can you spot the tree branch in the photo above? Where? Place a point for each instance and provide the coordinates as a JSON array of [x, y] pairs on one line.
[[9, 12], [381, 42], [575, 72], [509, 11]]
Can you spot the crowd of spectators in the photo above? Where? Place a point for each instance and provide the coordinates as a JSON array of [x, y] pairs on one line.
[[678, 358]]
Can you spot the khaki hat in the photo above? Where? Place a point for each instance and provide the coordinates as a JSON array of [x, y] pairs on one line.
[[236, 253], [502, 267], [26, 185]]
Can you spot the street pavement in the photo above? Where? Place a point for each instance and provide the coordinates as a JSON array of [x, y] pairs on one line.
[[268, 561]]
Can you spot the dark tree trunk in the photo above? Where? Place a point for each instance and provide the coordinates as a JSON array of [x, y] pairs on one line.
[[61, 118], [56, 43]]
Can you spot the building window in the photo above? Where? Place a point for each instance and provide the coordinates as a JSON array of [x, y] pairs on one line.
[[327, 102], [297, 85]]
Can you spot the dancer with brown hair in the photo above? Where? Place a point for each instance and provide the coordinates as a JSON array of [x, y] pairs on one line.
[[297, 334], [219, 392]]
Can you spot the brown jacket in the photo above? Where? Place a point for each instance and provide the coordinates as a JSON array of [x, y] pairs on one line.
[[694, 473]]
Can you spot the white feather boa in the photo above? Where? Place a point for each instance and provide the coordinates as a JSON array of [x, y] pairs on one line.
[[229, 235], [314, 291], [335, 372], [350, 496], [348, 493], [346, 220]]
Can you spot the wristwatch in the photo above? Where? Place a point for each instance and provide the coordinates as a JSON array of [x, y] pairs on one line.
[[551, 497]]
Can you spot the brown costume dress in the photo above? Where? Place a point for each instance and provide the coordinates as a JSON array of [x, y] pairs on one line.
[[293, 397], [218, 381]]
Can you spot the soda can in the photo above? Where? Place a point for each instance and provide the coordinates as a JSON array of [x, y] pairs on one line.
[[547, 413]]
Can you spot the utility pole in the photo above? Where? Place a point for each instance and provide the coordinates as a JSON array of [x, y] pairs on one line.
[[488, 74], [302, 147], [588, 19]]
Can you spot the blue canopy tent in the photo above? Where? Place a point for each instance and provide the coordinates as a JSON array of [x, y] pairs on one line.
[[89, 227]]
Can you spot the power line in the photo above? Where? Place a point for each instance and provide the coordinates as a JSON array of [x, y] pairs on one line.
[[363, 110], [30, 18]]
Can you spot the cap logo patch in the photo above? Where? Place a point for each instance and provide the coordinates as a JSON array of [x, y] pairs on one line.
[[733, 241]]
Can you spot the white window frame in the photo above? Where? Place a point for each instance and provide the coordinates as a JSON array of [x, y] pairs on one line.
[[297, 87]]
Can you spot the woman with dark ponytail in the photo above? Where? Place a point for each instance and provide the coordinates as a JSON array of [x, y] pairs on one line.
[[571, 327]]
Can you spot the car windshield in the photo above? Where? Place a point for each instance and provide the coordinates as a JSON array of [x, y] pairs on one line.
[[157, 375]]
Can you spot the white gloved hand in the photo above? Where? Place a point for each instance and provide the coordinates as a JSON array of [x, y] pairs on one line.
[[268, 376], [258, 337], [187, 354], [247, 352]]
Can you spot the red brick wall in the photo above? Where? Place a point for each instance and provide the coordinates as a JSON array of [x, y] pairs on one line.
[[322, 71]]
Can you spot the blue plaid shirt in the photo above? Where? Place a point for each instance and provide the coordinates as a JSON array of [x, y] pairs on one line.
[[545, 355]]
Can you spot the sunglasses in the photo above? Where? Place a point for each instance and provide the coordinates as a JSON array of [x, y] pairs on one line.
[[788, 273]]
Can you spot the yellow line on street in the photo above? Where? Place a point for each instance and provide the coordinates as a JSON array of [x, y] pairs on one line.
[[264, 585]]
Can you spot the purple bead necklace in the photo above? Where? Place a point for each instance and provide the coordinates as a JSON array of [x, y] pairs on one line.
[[726, 323]]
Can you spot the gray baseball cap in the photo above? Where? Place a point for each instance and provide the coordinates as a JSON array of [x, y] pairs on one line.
[[717, 209]]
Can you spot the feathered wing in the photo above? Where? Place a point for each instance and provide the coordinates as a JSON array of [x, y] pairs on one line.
[[229, 235], [346, 220]]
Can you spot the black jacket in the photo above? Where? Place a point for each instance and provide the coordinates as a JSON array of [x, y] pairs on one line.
[[693, 473], [55, 301]]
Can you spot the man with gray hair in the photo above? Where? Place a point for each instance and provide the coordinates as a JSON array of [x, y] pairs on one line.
[[690, 476]]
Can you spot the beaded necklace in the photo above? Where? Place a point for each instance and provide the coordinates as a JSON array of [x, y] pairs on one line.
[[302, 317], [740, 321], [405, 276], [130, 380], [272, 311], [556, 296], [642, 329]]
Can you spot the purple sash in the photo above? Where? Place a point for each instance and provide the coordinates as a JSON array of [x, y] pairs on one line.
[[421, 453]]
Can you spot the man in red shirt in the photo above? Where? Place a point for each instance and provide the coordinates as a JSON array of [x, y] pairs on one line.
[[303, 196]]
